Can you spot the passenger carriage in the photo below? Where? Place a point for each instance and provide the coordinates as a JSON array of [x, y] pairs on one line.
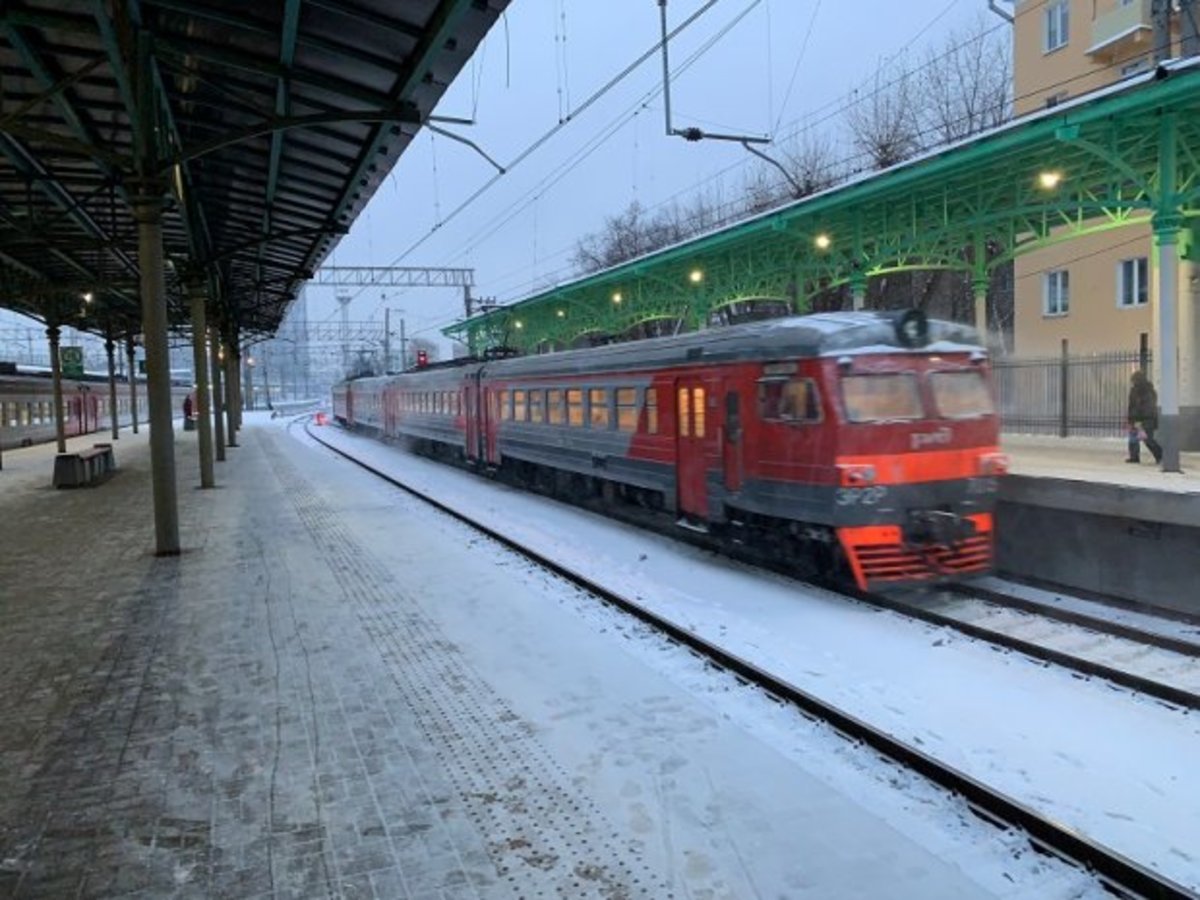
[[863, 440]]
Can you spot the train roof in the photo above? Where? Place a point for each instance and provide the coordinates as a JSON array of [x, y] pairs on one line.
[[820, 334], [792, 337]]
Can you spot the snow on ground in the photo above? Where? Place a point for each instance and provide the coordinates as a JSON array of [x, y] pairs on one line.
[[1116, 766]]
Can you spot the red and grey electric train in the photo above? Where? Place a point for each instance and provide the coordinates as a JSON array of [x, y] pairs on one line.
[[860, 442]]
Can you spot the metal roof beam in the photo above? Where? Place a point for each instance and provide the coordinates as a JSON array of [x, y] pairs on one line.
[[433, 39]]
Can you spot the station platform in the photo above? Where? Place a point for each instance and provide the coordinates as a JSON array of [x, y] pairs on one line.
[[318, 697], [1073, 513]]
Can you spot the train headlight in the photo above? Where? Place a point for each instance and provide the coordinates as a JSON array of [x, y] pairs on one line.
[[855, 474], [993, 463]]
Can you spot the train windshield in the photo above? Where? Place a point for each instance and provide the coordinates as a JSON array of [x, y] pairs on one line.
[[891, 397], [961, 395]]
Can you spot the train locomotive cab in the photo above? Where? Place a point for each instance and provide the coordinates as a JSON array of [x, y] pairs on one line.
[[916, 455]]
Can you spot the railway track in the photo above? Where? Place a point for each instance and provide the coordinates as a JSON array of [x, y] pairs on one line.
[[1149, 662], [1121, 875]]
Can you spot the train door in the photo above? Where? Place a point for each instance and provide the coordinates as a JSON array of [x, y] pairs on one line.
[[490, 407], [691, 430], [473, 413], [73, 410], [731, 450]]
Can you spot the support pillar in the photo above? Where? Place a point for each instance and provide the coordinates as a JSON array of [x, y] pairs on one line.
[[133, 409], [218, 411], [980, 286], [196, 296], [235, 378], [248, 384], [1167, 222], [231, 398], [1166, 246], [148, 212], [60, 421], [114, 420], [858, 293]]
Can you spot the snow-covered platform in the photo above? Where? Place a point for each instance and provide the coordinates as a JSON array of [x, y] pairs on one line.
[[1075, 513], [333, 692]]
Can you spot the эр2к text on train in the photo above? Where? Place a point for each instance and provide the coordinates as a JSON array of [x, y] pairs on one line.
[[858, 442]]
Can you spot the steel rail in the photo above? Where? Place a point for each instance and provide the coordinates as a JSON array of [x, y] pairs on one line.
[[1124, 876], [1075, 617], [1165, 692]]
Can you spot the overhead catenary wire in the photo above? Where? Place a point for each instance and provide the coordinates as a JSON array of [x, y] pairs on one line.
[[540, 189], [553, 130]]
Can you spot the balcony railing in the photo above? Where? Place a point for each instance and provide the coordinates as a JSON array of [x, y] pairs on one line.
[[1115, 32]]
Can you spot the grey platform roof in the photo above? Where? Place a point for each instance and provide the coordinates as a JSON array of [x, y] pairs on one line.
[[266, 125]]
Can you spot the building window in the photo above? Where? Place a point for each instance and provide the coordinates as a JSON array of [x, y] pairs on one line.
[[1133, 282], [1133, 68], [1055, 23], [1056, 293]]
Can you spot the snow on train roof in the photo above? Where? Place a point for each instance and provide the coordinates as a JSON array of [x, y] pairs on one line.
[[820, 334]]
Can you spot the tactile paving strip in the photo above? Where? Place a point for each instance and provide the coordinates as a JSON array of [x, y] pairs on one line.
[[544, 838]]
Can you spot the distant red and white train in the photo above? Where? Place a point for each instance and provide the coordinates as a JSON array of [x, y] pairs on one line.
[[27, 406], [859, 442]]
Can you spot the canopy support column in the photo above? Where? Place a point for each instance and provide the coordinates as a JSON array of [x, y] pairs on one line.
[[133, 406], [60, 422], [1168, 220], [196, 296], [110, 352], [148, 212], [218, 411]]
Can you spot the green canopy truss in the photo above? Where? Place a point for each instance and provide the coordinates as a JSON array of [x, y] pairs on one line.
[[1123, 156]]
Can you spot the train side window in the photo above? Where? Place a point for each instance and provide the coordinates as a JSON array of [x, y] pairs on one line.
[[575, 407], [505, 405], [651, 410], [537, 404], [698, 411], [519, 405], [598, 413], [683, 412], [789, 400], [627, 414], [554, 407]]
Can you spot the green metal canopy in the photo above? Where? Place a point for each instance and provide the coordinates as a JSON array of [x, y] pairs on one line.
[[1126, 155]]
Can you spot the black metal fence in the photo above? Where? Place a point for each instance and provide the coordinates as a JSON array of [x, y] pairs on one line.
[[1067, 395]]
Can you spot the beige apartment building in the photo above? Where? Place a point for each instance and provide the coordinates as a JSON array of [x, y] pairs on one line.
[[1096, 292]]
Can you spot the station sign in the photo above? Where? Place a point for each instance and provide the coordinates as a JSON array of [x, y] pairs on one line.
[[71, 360]]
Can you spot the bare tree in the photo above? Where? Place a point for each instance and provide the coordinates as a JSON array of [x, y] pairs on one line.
[[810, 159], [633, 233], [884, 121], [966, 82]]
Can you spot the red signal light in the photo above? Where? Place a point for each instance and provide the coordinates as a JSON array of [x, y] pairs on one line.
[[422, 359]]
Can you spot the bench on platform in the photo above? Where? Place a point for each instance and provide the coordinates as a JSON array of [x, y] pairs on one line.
[[84, 467]]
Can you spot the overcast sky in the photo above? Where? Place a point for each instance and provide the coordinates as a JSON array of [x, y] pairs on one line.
[[543, 61]]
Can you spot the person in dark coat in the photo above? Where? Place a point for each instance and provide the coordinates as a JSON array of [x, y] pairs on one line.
[[187, 407], [1143, 417]]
